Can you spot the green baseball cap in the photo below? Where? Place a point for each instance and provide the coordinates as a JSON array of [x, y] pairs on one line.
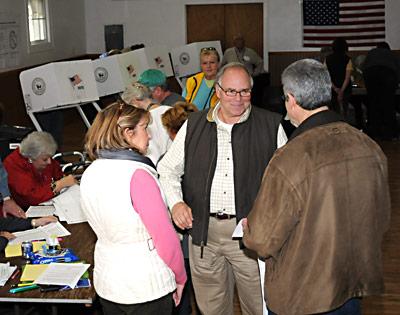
[[152, 77]]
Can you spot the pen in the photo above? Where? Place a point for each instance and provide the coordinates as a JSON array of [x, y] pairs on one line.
[[15, 273], [23, 289], [18, 285]]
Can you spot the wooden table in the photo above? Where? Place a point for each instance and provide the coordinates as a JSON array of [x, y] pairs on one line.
[[81, 241]]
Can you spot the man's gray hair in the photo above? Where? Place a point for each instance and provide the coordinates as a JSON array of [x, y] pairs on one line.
[[230, 66], [136, 91], [36, 144], [308, 81]]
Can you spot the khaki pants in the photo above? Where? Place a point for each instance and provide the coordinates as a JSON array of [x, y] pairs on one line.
[[224, 264]]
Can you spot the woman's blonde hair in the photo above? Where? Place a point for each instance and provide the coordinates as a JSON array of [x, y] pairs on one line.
[[136, 91], [174, 117], [107, 129]]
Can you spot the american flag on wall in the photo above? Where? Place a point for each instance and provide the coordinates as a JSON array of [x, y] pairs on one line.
[[360, 22]]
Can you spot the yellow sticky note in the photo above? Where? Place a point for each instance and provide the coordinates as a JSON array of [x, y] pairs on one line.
[[31, 272], [13, 250], [37, 245]]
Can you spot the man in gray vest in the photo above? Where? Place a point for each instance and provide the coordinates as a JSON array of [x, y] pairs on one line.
[[222, 154]]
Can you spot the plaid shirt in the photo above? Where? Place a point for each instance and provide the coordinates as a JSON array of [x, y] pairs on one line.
[[171, 167]]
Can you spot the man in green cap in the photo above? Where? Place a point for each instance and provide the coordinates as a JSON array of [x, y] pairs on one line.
[[156, 81]]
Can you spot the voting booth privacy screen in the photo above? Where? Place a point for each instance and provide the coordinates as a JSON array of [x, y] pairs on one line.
[[58, 84], [114, 73], [186, 59]]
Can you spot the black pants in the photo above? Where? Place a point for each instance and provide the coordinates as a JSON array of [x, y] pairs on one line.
[[161, 306], [381, 84]]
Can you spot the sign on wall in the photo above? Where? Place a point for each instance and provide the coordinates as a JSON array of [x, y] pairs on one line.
[[9, 41]]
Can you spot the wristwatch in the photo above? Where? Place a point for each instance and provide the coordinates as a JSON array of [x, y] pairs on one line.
[[33, 223]]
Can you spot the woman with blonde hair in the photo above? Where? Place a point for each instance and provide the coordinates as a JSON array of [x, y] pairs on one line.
[[199, 88], [138, 265], [139, 96]]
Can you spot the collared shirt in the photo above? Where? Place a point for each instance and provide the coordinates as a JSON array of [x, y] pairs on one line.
[[171, 167]]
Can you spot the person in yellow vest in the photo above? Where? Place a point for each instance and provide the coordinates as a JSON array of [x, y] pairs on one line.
[[199, 88]]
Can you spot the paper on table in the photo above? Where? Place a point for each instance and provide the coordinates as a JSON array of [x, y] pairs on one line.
[[13, 250], [62, 274], [40, 211], [32, 272], [238, 232], [40, 233], [5, 272], [38, 245], [68, 205]]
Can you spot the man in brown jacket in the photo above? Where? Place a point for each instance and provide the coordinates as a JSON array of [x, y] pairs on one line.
[[322, 208]]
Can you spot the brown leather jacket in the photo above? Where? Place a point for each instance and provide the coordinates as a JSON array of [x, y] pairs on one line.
[[319, 218]]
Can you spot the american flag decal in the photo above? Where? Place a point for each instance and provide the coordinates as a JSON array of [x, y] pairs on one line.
[[360, 22]]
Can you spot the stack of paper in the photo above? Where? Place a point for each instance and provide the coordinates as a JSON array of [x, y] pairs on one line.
[[68, 205], [62, 274], [5, 272], [40, 211], [42, 232]]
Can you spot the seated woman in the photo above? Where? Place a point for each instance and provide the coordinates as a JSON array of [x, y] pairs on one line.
[[33, 176], [138, 262], [139, 96]]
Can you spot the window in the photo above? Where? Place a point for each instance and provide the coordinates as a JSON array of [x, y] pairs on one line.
[[38, 23]]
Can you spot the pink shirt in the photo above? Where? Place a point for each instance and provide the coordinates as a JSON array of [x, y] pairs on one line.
[[147, 201]]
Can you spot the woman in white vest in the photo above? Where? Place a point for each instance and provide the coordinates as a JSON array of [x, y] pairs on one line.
[[138, 262]]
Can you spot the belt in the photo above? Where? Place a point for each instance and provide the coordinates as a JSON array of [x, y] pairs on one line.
[[222, 216]]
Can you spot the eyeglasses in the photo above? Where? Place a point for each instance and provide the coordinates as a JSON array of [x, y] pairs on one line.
[[233, 93], [207, 49], [285, 97]]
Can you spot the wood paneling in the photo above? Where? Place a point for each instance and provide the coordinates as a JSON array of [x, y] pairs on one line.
[[279, 60], [223, 21], [205, 23], [246, 19]]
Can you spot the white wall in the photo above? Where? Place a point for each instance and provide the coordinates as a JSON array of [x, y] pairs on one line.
[[67, 26], [154, 22]]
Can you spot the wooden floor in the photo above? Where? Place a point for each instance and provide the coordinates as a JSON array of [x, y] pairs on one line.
[[388, 303]]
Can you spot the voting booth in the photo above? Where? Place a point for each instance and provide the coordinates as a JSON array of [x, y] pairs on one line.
[[114, 73], [59, 85], [186, 59]]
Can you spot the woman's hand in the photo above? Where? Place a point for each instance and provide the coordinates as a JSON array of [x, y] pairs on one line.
[[45, 220], [177, 295], [65, 182]]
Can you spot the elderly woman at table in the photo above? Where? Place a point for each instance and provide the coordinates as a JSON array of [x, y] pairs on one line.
[[33, 176], [138, 263]]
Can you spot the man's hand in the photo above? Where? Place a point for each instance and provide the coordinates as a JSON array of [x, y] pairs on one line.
[[7, 235], [182, 215], [11, 208], [45, 220], [177, 295]]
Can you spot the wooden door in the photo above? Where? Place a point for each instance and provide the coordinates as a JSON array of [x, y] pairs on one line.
[[224, 21]]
